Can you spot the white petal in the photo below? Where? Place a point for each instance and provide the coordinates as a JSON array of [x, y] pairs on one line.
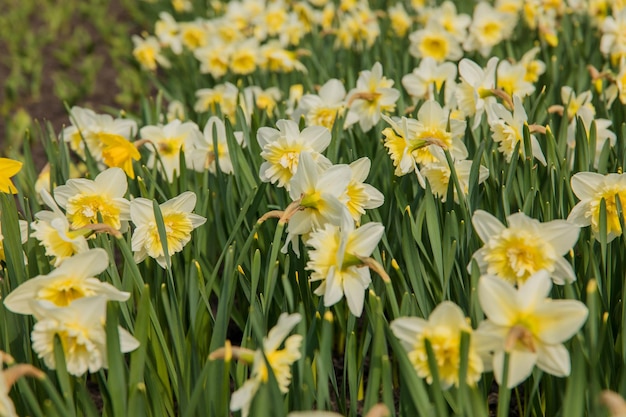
[[521, 364], [354, 293], [497, 299], [407, 329], [561, 234], [486, 225], [554, 359], [586, 184], [559, 320], [534, 291], [365, 239], [278, 333]]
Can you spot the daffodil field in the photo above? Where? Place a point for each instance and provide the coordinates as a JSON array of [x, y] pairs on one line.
[[330, 208]]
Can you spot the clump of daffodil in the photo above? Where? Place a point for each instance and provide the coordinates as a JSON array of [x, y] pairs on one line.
[[86, 200], [591, 188], [339, 260], [528, 326], [279, 360], [8, 169], [178, 220], [443, 330], [525, 247]]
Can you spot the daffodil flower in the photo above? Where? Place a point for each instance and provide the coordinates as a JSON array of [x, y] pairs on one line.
[[337, 261], [74, 279], [203, 153], [117, 151], [178, 220], [529, 326], [474, 95], [318, 192], [279, 360], [80, 326], [525, 247], [8, 168], [84, 200], [322, 109], [372, 97], [53, 230], [168, 141], [443, 330], [281, 149], [359, 196], [591, 188]]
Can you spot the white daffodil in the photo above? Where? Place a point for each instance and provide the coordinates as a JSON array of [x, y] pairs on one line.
[[74, 279], [88, 129], [489, 27], [52, 229], [529, 326], [438, 175], [322, 109], [168, 140], [178, 220], [318, 191], [84, 200], [358, 195], [511, 78], [205, 150], [280, 361], [508, 130], [427, 80], [613, 38], [281, 148], [443, 330], [526, 246], [80, 326], [435, 42], [591, 188], [222, 96], [337, 261], [373, 96], [474, 95], [410, 141]]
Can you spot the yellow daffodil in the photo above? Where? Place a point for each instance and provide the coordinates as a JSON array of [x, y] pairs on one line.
[[525, 247], [8, 168], [178, 220], [75, 278], [529, 326], [80, 326], [119, 152], [591, 188], [443, 330]]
